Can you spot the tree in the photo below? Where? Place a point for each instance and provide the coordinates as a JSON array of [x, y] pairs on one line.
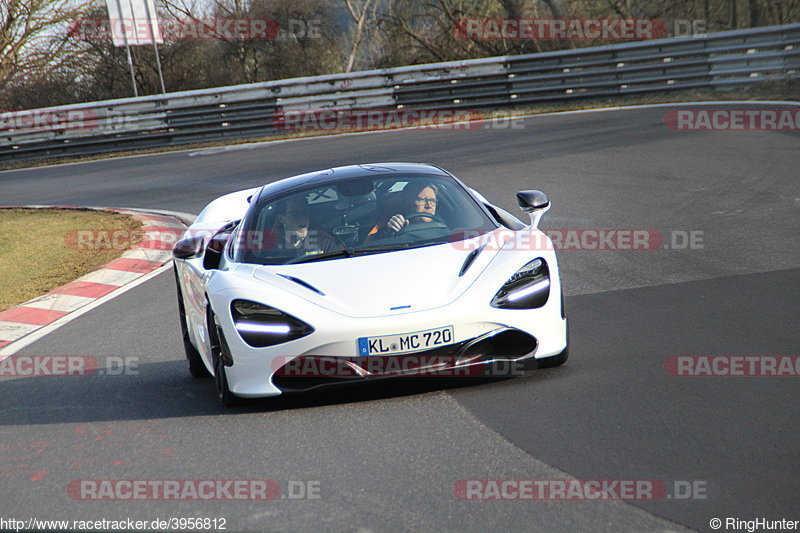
[[414, 32], [308, 43], [31, 36]]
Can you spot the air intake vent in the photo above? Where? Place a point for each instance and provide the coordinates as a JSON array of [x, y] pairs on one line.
[[303, 283], [470, 259]]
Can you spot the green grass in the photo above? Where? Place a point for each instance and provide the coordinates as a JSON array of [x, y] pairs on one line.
[[38, 251]]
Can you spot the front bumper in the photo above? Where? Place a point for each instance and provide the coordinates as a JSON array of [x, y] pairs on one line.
[[478, 357], [259, 372]]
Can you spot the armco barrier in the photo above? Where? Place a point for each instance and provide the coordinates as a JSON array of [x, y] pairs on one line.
[[724, 59]]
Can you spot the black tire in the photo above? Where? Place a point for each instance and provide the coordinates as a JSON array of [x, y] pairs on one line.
[[195, 363], [224, 394], [220, 379]]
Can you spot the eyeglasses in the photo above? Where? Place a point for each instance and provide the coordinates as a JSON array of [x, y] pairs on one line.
[[431, 201]]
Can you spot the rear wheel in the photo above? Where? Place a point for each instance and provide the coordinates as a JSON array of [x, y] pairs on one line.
[[195, 363]]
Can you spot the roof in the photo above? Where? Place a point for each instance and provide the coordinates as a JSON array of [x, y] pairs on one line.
[[333, 175]]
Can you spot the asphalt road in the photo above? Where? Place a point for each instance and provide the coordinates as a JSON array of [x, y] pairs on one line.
[[387, 458]]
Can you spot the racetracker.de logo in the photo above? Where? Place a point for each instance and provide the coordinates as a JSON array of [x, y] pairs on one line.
[[193, 490], [174, 489], [733, 366], [90, 240], [380, 119], [42, 120], [577, 239], [559, 489], [502, 29], [579, 489], [732, 119], [34, 366], [177, 29], [416, 365]]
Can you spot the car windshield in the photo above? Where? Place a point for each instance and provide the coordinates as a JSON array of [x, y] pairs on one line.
[[358, 216]]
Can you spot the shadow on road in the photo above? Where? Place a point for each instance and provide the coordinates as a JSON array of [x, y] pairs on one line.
[[164, 390]]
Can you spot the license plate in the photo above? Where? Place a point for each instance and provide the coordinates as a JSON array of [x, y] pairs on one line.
[[406, 342]]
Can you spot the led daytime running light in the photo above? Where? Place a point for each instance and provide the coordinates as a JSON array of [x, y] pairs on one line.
[[276, 329]]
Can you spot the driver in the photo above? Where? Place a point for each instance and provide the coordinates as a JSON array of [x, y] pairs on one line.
[[418, 198], [421, 201]]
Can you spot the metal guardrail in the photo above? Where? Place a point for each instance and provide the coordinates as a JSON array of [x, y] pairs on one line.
[[724, 59]]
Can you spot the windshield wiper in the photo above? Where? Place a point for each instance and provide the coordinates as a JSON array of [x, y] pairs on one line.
[[308, 258], [394, 247], [381, 248], [352, 252]]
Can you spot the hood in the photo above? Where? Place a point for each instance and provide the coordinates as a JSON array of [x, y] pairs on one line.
[[383, 284]]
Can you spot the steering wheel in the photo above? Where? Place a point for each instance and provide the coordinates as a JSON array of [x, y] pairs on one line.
[[437, 222]]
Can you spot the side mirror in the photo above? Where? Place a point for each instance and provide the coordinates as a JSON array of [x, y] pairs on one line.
[[216, 246], [188, 248], [535, 203], [531, 200]]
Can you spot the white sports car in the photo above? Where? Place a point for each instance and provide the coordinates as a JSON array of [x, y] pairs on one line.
[[365, 272]]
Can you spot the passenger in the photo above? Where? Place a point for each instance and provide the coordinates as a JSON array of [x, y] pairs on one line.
[[295, 231]]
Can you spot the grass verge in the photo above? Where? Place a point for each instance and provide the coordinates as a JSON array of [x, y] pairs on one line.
[[35, 253]]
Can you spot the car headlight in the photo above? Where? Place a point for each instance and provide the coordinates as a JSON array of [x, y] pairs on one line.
[[528, 288], [260, 325]]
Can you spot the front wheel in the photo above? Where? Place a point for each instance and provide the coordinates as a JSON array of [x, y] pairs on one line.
[[220, 378], [224, 393]]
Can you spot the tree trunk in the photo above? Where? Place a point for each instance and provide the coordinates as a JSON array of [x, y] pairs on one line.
[[360, 19], [755, 13], [515, 9], [557, 8]]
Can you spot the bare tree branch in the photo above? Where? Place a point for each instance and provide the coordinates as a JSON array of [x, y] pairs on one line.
[[32, 35], [359, 16]]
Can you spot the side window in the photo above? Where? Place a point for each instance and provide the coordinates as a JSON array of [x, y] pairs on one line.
[[266, 217]]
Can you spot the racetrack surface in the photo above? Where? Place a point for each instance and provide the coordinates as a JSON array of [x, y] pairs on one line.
[[388, 456]]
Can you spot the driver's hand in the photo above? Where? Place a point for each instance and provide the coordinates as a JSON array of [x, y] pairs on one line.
[[396, 223]]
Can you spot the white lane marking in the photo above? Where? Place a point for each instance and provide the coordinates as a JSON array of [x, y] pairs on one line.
[[149, 222], [11, 331], [39, 333], [200, 151], [59, 302], [110, 277], [148, 254], [187, 218]]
